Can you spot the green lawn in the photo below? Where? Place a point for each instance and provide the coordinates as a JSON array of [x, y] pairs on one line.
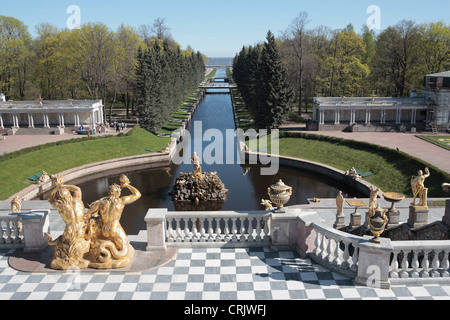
[[392, 170], [441, 141], [58, 158]]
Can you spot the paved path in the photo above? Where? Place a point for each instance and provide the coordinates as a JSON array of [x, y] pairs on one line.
[[405, 142]]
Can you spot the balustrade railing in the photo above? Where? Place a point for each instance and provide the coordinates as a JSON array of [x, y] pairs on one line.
[[336, 250], [419, 260], [11, 232], [231, 229]]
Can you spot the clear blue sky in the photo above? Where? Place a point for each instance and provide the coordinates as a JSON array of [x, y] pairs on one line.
[[220, 28]]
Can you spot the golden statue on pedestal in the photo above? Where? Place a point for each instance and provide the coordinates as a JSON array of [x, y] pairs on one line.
[[74, 242], [197, 174], [94, 238], [418, 188], [110, 247]]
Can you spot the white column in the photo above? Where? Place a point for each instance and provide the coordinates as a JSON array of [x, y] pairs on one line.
[[322, 116], [1, 122], [352, 116], [382, 116], [15, 121], [46, 120], [92, 120], [30, 121], [413, 116], [337, 116], [367, 116], [399, 116]]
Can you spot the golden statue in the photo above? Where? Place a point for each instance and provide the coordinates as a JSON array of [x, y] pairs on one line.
[[373, 200], [110, 247], [16, 205], [418, 188], [267, 204], [72, 245], [197, 174]]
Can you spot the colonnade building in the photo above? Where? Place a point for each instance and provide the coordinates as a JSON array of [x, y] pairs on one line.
[[71, 114], [431, 111]]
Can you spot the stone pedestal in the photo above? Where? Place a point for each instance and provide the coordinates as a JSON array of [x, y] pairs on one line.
[[446, 218], [284, 230], [418, 216], [156, 229], [394, 218], [340, 222], [355, 220], [35, 224], [373, 263], [12, 131], [59, 130]]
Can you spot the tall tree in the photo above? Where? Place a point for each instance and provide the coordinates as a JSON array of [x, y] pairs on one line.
[[273, 95]]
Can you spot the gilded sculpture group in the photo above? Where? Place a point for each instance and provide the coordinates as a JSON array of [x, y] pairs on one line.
[[92, 238]]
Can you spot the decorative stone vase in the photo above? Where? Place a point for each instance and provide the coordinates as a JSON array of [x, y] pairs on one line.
[[377, 223], [279, 194]]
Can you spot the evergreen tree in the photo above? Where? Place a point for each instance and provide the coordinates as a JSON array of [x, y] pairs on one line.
[[273, 95]]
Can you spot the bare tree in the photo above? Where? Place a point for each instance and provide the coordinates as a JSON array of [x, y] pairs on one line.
[[295, 37], [160, 30]]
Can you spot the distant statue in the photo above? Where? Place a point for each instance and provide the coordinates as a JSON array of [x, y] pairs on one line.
[[340, 204], [446, 187], [197, 167], [16, 205], [74, 242], [373, 200], [418, 188], [352, 173], [267, 204], [110, 246]]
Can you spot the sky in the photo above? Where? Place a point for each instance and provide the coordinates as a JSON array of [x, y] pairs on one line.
[[221, 28]]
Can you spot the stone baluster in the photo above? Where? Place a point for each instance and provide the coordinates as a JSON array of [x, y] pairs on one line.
[[425, 264], [346, 255], [324, 246], [195, 230], [219, 230], [317, 243], [337, 254], [178, 229], [226, 231], [266, 229], [16, 231], [394, 266], [2, 239], [170, 233], [8, 231], [329, 249], [415, 265], [404, 266], [445, 264], [187, 234], [210, 230], [355, 258], [250, 229], [435, 265], [259, 223], [202, 230], [242, 231], [234, 229]]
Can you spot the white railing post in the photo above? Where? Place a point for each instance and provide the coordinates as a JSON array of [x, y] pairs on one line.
[[156, 229]]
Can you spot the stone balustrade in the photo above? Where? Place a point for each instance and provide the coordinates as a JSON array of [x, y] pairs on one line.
[[24, 230], [420, 261]]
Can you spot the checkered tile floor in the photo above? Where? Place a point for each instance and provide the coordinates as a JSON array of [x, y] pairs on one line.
[[205, 274]]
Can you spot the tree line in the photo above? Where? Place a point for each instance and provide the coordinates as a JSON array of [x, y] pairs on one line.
[[262, 81], [164, 78], [92, 62], [343, 62]]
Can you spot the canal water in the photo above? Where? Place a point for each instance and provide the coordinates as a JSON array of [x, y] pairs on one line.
[[245, 183]]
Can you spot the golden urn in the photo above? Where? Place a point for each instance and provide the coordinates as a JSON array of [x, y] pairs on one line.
[[279, 193], [377, 223]]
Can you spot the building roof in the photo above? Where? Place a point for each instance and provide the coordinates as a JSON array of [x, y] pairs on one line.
[[445, 74], [49, 105]]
